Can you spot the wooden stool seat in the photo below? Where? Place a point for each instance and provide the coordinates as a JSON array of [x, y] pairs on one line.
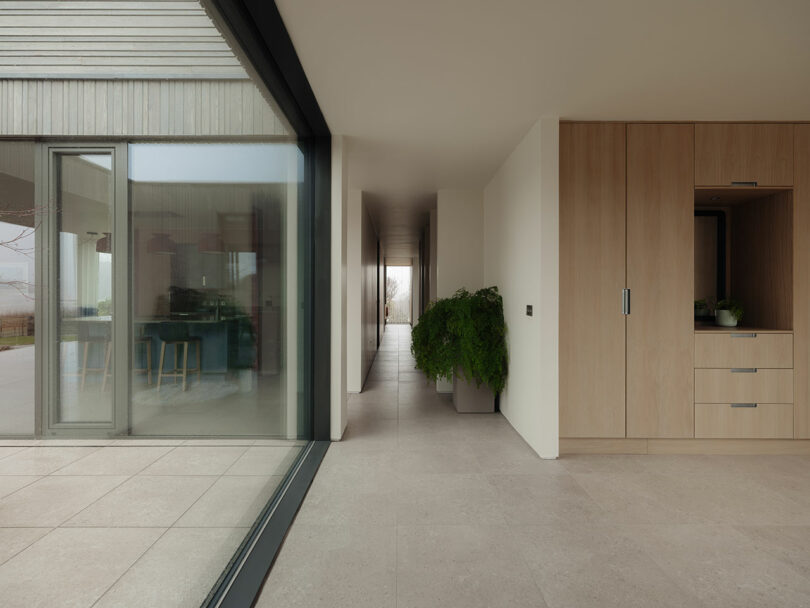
[[177, 371]]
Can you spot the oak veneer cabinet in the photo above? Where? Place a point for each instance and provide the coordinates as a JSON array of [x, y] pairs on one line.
[[661, 279], [627, 221], [592, 276], [726, 153], [801, 281], [744, 421]]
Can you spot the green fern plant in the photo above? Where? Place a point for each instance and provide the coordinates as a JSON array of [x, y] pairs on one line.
[[465, 332]]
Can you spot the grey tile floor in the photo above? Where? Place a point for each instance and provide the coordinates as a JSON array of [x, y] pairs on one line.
[[130, 523], [422, 507]]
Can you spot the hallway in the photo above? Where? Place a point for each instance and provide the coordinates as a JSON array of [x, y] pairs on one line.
[[423, 507]]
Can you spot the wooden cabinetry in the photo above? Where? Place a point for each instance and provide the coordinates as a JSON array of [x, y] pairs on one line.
[[592, 275], [627, 220], [660, 275], [756, 421], [801, 282], [727, 349], [740, 152]]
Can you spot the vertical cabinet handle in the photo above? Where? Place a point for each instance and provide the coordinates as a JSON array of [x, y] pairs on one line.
[[625, 301]]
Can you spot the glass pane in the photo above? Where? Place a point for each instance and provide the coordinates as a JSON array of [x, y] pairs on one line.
[[212, 304], [18, 221], [85, 203]]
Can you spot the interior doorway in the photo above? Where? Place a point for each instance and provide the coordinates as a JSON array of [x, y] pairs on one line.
[[398, 295]]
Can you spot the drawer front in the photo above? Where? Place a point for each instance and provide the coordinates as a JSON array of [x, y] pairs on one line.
[[732, 386], [743, 350], [765, 421]]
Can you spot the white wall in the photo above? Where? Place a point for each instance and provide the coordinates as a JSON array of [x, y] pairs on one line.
[[459, 233], [354, 291], [433, 245], [340, 194], [370, 285], [521, 257]]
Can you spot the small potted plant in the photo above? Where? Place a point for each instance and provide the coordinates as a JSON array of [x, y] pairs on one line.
[[728, 312], [464, 338]]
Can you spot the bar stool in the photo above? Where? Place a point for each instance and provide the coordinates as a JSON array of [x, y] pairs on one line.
[[176, 334], [147, 342], [95, 332]]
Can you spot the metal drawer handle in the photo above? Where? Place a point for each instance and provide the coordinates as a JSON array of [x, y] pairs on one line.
[[744, 370], [743, 335], [744, 184], [743, 405]]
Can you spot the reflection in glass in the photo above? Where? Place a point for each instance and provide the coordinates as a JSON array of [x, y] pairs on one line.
[[85, 310], [18, 221], [210, 289]]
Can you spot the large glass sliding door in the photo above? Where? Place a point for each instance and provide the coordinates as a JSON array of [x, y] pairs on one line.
[[214, 288]]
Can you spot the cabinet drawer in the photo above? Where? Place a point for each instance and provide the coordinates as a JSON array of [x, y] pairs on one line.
[[733, 386], [723, 421], [727, 153], [743, 350]]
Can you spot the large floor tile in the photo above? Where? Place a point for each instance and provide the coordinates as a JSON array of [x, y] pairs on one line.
[[52, 500], [462, 566], [14, 540], [724, 567], [544, 499], [454, 498], [42, 460], [11, 483], [115, 461], [196, 460], [231, 502], [9, 450], [322, 566], [264, 461], [147, 501], [596, 566], [178, 570], [72, 568]]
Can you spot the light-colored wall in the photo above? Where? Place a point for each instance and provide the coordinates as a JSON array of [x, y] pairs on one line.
[[361, 292], [371, 284], [459, 234], [339, 409], [521, 257], [354, 291], [141, 38], [433, 246]]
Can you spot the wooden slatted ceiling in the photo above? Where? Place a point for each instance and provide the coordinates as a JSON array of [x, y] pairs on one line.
[[112, 39]]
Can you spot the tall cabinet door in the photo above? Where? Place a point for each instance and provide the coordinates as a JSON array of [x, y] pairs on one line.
[[660, 275], [592, 276]]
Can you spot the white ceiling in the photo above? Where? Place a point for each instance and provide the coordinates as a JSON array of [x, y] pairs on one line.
[[447, 88]]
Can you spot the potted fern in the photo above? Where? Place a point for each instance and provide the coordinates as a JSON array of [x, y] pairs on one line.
[[464, 338]]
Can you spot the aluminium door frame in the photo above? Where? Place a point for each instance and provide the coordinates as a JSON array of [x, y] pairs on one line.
[[47, 335]]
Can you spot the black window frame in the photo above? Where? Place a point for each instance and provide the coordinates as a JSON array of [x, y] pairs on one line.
[[257, 27]]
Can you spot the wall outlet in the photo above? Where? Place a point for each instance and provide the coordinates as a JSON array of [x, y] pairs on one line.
[[529, 312]]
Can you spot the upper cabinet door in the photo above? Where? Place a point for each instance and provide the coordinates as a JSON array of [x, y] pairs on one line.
[[727, 152], [592, 275], [661, 277]]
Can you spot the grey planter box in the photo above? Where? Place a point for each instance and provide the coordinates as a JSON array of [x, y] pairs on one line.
[[469, 399]]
